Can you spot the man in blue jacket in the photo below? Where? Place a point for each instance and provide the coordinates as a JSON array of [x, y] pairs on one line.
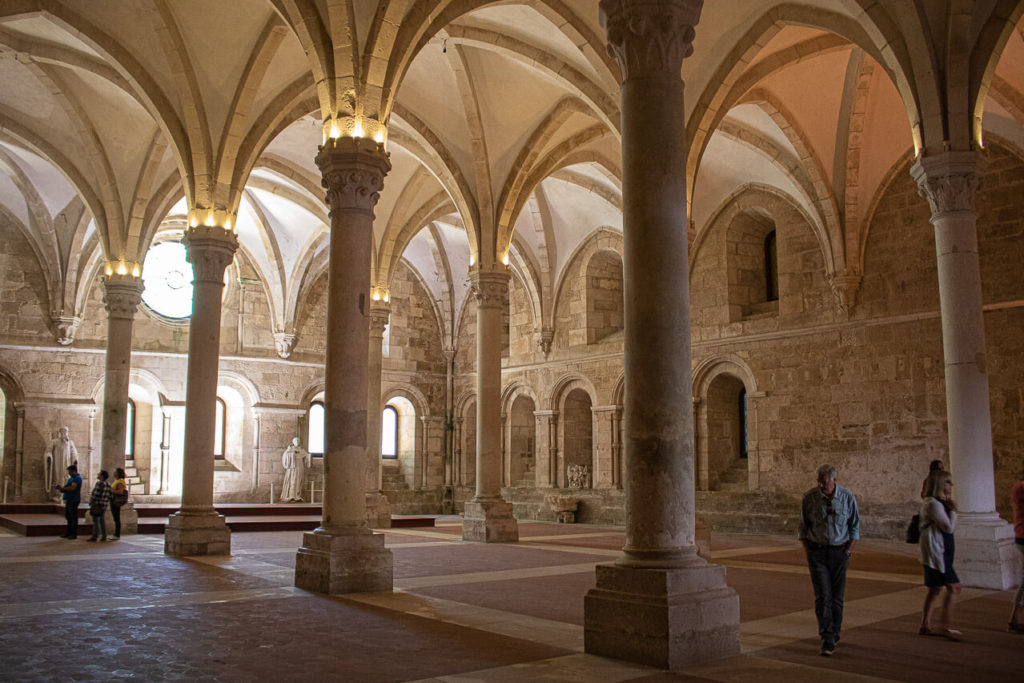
[[829, 528], [72, 494]]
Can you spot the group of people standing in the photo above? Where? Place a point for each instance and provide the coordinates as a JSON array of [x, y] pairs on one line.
[[830, 528], [104, 494]]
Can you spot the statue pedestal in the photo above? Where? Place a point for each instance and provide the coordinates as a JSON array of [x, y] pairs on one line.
[[985, 556], [345, 560], [197, 534], [489, 522], [669, 618]]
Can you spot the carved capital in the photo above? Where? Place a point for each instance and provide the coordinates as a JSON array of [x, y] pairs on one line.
[[66, 326], [209, 250], [547, 336], [285, 343], [844, 288], [948, 181], [121, 295], [650, 37], [352, 170], [490, 287], [380, 312]]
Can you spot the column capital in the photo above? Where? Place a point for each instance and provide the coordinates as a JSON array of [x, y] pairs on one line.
[[121, 295], [490, 287], [209, 249], [352, 171], [948, 181], [380, 312], [650, 37], [67, 326], [285, 343]]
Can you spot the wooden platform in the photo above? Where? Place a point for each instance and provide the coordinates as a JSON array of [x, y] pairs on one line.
[[47, 519]]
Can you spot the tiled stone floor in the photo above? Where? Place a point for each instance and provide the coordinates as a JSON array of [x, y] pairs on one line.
[[71, 610]]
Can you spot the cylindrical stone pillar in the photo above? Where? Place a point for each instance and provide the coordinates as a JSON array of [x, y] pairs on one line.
[[487, 517], [121, 296], [378, 510], [949, 182], [642, 607], [196, 528], [343, 555]]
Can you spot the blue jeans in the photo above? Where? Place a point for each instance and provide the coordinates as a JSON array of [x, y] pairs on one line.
[[71, 515], [99, 525], [828, 576]]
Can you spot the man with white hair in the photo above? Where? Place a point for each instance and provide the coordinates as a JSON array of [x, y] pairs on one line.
[[829, 529]]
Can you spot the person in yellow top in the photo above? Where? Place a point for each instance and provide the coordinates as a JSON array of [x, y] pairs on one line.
[[118, 497]]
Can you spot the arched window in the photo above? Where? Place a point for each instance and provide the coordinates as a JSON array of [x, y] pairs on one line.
[[743, 422], [219, 432], [389, 433], [129, 437], [315, 437], [771, 267]]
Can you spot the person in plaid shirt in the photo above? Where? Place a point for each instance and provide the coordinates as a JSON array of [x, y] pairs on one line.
[[98, 507]]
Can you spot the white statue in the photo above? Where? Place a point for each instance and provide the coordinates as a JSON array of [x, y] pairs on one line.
[[296, 461], [60, 454]]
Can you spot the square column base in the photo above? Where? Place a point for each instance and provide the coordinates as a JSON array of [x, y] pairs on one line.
[[378, 510], [197, 534], [489, 522], [345, 561], [985, 556], [669, 618]]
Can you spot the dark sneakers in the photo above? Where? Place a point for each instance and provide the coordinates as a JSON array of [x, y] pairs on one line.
[[828, 648]]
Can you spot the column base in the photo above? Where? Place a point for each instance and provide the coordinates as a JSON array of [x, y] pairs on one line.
[[347, 560], [197, 534], [378, 510], [489, 521], [668, 618], [985, 556]]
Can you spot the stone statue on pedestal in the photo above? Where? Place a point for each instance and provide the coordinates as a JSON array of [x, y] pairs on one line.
[[59, 455], [296, 463]]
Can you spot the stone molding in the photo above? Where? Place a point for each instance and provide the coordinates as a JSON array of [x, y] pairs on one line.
[[210, 250], [352, 171], [121, 295], [490, 288], [544, 342], [948, 181], [650, 37]]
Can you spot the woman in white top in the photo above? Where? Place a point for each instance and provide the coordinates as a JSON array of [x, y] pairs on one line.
[[938, 520]]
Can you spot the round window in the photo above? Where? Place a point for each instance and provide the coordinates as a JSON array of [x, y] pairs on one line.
[[167, 275]]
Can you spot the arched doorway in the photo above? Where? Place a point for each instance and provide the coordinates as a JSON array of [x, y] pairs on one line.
[[726, 436], [577, 440], [522, 439], [469, 445]]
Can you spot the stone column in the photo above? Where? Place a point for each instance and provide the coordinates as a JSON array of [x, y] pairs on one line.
[[547, 447], [660, 604], [121, 296], [985, 553], [342, 555], [378, 509], [488, 518], [457, 465], [197, 529]]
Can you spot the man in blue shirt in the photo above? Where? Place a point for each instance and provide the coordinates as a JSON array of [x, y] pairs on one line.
[[72, 494], [829, 529]]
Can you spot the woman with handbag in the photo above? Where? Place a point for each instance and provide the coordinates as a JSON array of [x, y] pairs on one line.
[[118, 497], [98, 507], [938, 521]]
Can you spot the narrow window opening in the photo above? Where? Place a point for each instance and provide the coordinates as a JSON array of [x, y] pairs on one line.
[[218, 429], [743, 422], [389, 433], [129, 437], [771, 267], [315, 438]]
